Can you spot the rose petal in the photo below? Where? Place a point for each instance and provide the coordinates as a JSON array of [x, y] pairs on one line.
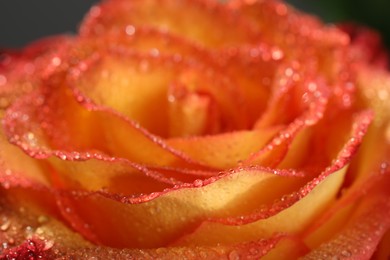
[[367, 45], [241, 64], [225, 150], [21, 71], [312, 204], [114, 81], [359, 238], [314, 98], [48, 238], [176, 17], [383, 249], [93, 208], [304, 38], [360, 126], [69, 129]]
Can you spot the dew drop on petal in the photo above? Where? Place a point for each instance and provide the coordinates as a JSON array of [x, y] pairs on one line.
[[11, 241], [6, 224], [144, 66], [42, 219], [152, 211], [346, 253], [130, 30], [198, 183], [154, 52], [281, 9], [383, 94], [276, 54], [6, 185], [3, 80], [48, 244], [39, 231], [56, 61], [29, 232], [253, 251], [234, 255]]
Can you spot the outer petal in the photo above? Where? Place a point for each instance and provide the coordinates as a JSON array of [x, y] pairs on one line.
[[360, 237], [198, 201], [22, 70], [139, 87], [304, 38], [177, 17], [46, 238]]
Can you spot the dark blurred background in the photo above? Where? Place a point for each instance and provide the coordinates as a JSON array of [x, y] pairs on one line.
[[22, 21], [372, 13]]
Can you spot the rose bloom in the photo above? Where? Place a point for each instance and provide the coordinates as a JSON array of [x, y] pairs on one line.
[[193, 129]]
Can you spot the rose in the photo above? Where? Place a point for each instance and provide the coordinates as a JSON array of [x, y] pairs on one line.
[[192, 129]]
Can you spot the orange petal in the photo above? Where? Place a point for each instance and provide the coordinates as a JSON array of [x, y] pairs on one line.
[[270, 219], [312, 204], [224, 151], [197, 200], [304, 38], [176, 17], [359, 238], [116, 80], [21, 71], [72, 126]]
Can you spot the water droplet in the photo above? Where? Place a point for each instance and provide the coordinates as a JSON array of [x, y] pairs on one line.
[[203, 254], [198, 183], [154, 52], [383, 94], [278, 141], [6, 185], [253, 251], [276, 54], [234, 255], [42, 219], [152, 211], [11, 241], [31, 139], [130, 30], [29, 231], [144, 66], [3, 80], [56, 61], [289, 72], [6, 224], [312, 86], [76, 156], [39, 231], [48, 244], [346, 253], [281, 9]]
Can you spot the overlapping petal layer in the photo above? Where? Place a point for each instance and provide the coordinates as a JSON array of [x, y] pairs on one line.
[[195, 129]]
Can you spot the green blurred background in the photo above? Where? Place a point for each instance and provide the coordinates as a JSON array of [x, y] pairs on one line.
[[372, 13], [22, 21]]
